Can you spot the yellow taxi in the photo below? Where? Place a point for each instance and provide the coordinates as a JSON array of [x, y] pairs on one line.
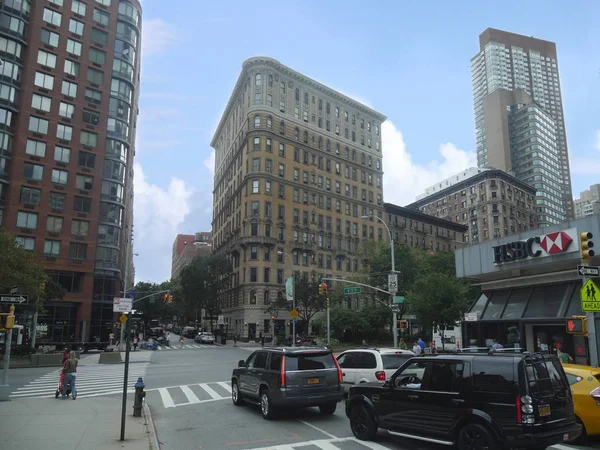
[[585, 386]]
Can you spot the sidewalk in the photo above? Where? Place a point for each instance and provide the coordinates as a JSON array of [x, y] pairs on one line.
[[94, 423]]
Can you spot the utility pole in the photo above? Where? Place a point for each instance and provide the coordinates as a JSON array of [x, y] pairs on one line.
[[328, 324], [125, 280], [585, 247]]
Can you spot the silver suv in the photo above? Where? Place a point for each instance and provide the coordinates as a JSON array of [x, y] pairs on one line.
[[282, 377]]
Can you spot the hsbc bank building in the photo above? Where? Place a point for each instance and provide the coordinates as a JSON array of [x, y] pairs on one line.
[[530, 286]]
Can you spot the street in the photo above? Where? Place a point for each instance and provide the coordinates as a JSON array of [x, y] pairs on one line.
[[188, 392]]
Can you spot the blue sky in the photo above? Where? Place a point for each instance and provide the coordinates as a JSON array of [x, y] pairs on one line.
[[407, 59]]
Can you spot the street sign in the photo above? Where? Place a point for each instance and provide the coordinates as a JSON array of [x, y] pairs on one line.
[[398, 299], [395, 308], [123, 319], [132, 294], [590, 297], [19, 299], [352, 290], [588, 271], [393, 283], [294, 313], [14, 290], [121, 304]]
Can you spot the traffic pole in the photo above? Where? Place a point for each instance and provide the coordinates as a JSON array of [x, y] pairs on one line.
[[591, 331], [125, 380], [328, 325]]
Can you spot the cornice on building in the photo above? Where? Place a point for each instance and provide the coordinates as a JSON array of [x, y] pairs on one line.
[[415, 214]]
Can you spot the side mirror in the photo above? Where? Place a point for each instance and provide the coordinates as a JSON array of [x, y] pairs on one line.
[[389, 383], [241, 363]]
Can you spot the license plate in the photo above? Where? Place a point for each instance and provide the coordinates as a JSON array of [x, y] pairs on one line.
[[313, 381], [544, 410], [566, 437]]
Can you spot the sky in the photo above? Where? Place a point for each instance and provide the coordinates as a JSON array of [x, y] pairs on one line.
[[407, 59]]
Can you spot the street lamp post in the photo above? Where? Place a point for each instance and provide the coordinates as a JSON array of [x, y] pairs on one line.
[[394, 313], [281, 252]]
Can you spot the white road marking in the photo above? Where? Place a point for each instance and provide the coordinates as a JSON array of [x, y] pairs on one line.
[[225, 386], [210, 391], [166, 398], [320, 430], [325, 444], [190, 395]]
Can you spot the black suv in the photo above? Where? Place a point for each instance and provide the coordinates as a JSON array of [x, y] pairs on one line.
[[276, 377], [476, 401]]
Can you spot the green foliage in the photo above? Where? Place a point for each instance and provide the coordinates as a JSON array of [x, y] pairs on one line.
[[306, 295], [20, 267], [438, 299], [22, 351], [154, 306]]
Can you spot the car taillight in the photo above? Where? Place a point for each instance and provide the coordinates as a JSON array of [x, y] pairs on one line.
[[518, 406], [283, 371], [340, 376], [596, 395], [380, 375], [524, 407]]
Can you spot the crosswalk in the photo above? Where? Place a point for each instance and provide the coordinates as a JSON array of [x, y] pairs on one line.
[[184, 347], [193, 394], [329, 444], [91, 381]]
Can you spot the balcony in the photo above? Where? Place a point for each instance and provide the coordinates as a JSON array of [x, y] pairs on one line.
[[303, 246]]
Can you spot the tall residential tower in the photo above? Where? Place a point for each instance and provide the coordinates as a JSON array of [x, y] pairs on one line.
[[297, 166], [519, 120], [69, 79]]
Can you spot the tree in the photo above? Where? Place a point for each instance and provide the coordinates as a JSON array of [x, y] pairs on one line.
[[218, 276], [192, 280], [306, 295], [21, 268], [346, 322], [279, 304], [438, 300]]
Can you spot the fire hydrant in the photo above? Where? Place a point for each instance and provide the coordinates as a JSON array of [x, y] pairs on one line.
[[138, 399]]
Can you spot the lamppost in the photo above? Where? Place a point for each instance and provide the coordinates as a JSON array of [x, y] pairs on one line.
[[125, 280], [395, 314], [281, 252]]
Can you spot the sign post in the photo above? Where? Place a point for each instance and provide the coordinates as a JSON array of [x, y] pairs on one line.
[[124, 326], [588, 271], [5, 388]]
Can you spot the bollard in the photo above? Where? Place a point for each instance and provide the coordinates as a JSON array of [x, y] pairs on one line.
[[138, 399]]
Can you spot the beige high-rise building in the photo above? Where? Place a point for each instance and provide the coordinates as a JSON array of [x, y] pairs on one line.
[[297, 164], [588, 203]]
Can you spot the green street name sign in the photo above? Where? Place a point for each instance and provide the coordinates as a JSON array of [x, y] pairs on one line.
[[352, 290]]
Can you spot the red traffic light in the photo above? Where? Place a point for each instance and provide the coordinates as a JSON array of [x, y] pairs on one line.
[[324, 285], [272, 317], [571, 325], [577, 325]]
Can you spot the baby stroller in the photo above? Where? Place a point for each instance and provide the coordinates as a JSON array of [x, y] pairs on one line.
[[61, 383]]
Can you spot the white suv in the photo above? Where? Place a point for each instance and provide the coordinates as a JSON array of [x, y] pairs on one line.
[[370, 364]]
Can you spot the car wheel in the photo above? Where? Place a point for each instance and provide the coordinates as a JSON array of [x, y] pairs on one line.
[[362, 423], [328, 408], [266, 407], [476, 437], [236, 397], [582, 439]]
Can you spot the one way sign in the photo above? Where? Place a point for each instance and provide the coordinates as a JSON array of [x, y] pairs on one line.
[[588, 271], [13, 299]]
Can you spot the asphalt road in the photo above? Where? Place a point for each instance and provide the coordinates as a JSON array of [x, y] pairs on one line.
[[189, 396]]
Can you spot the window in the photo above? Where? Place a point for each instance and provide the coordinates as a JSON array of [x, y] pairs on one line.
[[27, 220], [95, 76], [72, 67], [57, 201], [93, 96], [66, 110], [84, 182], [446, 376], [253, 276], [492, 376], [56, 2], [54, 224], [35, 148], [49, 38], [30, 196], [51, 248], [74, 47], [80, 228], [310, 362], [255, 186], [78, 7], [62, 154], [85, 159], [33, 171], [256, 144], [101, 17], [44, 81], [82, 204], [77, 250], [257, 121], [28, 243], [88, 138], [46, 59], [76, 27], [99, 37], [60, 176], [97, 56], [64, 132], [69, 89], [91, 117], [52, 17]]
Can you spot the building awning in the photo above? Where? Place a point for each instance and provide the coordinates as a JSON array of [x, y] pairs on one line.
[[551, 301]]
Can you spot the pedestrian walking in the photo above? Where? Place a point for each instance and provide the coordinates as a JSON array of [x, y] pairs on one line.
[[564, 357], [181, 341], [70, 371], [402, 345], [135, 343], [416, 349], [234, 340]]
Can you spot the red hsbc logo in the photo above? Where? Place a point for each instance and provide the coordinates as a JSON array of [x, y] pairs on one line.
[[535, 247]]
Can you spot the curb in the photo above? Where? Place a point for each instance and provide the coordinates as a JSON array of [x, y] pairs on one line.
[[150, 428]]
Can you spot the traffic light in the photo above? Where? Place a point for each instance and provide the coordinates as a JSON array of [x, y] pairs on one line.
[[577, 325], [273, 318], [10, 322], [327, 302], [403, 324], [170, 299], [167, 298], [43, 287], [322, 289], [586, 245]]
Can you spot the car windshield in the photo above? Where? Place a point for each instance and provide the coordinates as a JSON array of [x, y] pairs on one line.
[[309, 361], [393, 360]]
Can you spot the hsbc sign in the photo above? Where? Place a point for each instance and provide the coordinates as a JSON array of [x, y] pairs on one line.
[[537, 247]]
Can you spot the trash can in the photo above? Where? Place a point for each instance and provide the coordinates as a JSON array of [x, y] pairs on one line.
[[223, 340]]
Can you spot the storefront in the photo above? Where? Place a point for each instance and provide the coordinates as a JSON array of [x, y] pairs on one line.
[[530, 286]]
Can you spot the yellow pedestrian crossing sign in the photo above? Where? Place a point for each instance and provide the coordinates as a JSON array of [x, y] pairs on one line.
[[294, 313], [123, 318], [590, 297]]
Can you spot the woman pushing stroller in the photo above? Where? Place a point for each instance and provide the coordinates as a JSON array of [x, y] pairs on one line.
[[68, 376]]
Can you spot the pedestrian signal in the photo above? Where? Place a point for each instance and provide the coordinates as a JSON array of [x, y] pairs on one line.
[[577, 325]]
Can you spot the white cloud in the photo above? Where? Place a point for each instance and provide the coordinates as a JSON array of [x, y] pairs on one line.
[[209, 163], [158, 36], [403, 180], [158, 215]]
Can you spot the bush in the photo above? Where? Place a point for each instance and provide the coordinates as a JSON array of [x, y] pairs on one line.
[[281, 338], [22, 350]]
